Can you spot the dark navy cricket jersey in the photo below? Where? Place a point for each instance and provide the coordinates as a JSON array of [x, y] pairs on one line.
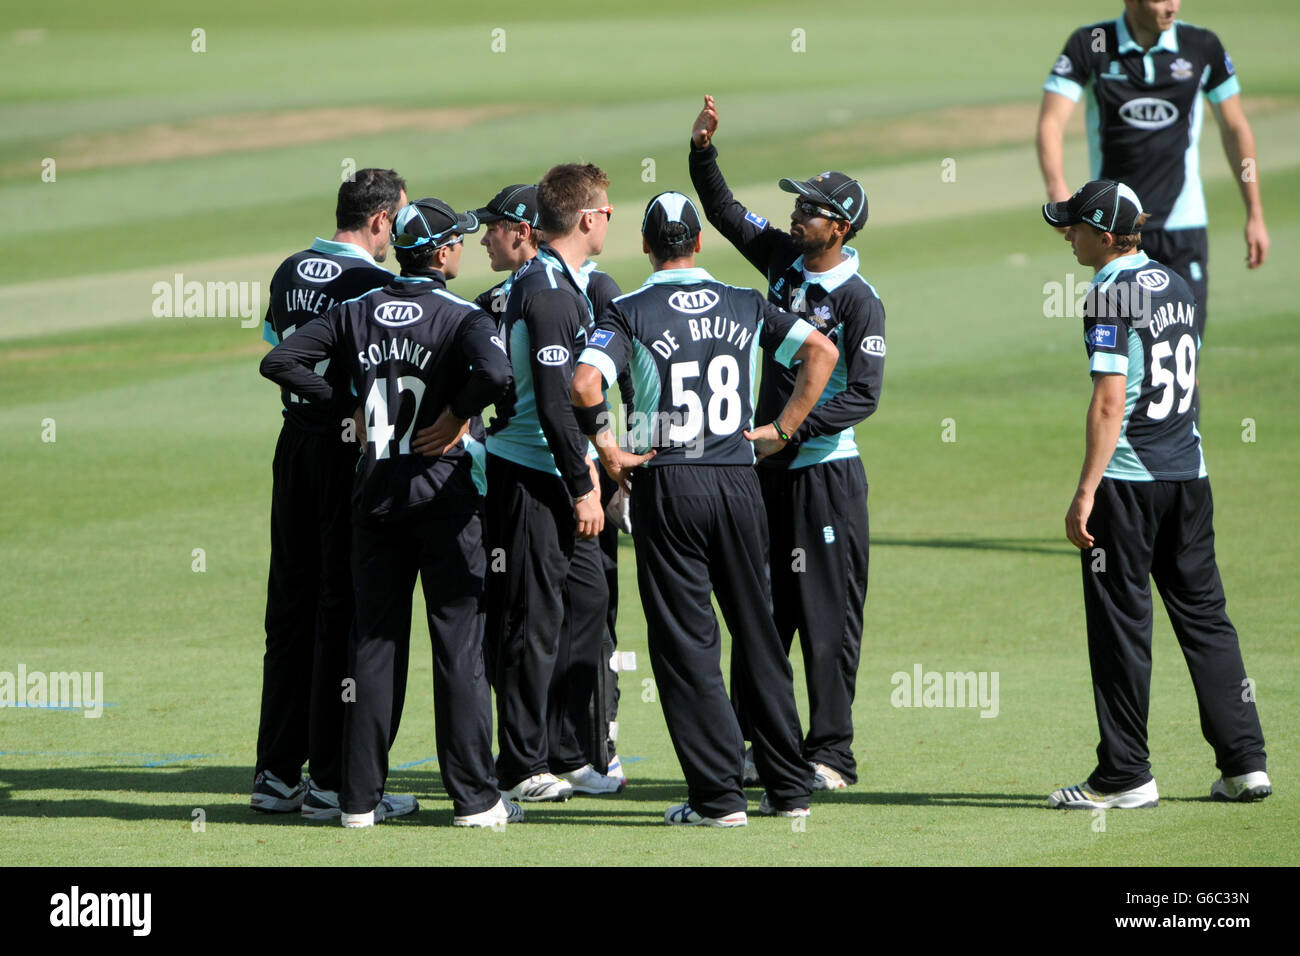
[[1144, 110], [544, 326], [840, 304], [410, 350], [308, 284], [692, 343], [1140, 322]]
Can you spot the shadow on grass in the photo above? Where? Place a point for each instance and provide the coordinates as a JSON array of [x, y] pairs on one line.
[[1057, 546], [222, 794]]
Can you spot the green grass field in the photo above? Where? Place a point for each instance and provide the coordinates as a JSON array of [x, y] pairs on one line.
[[217, 164]]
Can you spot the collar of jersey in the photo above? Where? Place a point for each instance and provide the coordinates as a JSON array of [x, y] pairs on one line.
[[1166, 41], [342, 249], [1107, 273], [553, 259], [679, 277], [438, 280], [833, 278]]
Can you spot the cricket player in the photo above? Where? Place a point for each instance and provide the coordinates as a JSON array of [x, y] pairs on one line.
[[1142, 77], [415, 354], [699, 524], [1143, 509], [815, 489], [547, 603], [511, 239], [309, 603]]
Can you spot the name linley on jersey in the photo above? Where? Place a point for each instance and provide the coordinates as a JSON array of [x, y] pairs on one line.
[[307, 300], [718, 327], [392, 350]]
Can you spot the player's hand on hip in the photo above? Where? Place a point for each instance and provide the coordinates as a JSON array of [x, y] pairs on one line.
[[706, 124], [1076, 521], [765, 440], [590, 513], [1256, 242], [440, 437], [619, 465]]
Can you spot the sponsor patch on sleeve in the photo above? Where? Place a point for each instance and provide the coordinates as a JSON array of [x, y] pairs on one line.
[[1063, 66], [756, 219], [874, 345], [1102, 336], [601, 338]]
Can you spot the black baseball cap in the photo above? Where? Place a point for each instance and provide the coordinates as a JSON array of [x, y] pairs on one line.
[[517, 203], [837, 192], [1104, 204], [671, 217], [430, 222]]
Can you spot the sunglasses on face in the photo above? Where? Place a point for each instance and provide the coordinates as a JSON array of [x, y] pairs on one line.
[[812, 211], [407, 241], [607, 210]]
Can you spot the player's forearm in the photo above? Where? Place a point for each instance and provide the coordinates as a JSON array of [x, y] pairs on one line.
[[293, 369], [1051, 158], [1239, 147], [816, 365], [850, 407], [1105, 420]]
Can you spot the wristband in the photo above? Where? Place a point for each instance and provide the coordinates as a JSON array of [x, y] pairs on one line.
[[582, 498], [592, 418], [780, 431]]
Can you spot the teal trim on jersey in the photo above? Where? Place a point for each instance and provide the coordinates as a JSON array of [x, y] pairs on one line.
[[1106, 274], [1200, 447], [1188, 211], [601, 362], [1166, 41], [580, 278], [453, 297], [1067, 88], [1225, 90], [829, 447], [678, 277], [1125, 465], [1108, 363], [832, 279], [268, 333], [794, 340], [649, 389], [478, 462], [523, 441], [1092, 126], [348, 249]]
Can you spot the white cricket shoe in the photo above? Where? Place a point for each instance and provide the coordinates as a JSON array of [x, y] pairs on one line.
[[540, 788], [825, 778], [589, 780], [765, 809], [505, 811], [1243, 788], [273, 795], [1083, 797], [681, 815], [390, 805]]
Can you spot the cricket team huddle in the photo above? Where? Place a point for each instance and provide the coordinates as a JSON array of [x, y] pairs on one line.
[[385, 471]]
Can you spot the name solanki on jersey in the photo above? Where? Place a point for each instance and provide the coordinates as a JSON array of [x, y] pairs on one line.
[[393, 350]]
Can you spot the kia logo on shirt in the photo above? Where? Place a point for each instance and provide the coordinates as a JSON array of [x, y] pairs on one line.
[[553, 355], [1147, 112], [693, 303], [398, 313], [319, 270]]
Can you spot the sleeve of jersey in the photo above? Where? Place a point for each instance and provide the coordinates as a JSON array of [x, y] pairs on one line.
[[489, 367], [553, 320], [269, 332], [291, 364], [863, 341], [1070, 71], [749, 232], [783, 334], [609, 346], [1106, 336], [1222, 83]]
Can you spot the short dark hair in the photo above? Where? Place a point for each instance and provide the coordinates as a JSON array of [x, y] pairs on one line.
[[415, 260], [1130, 242], [563, 192], [666, 247], [368, 192]]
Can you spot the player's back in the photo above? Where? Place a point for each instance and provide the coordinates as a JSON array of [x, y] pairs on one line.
[[412, 346], [306, 285], [1141, 321]]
